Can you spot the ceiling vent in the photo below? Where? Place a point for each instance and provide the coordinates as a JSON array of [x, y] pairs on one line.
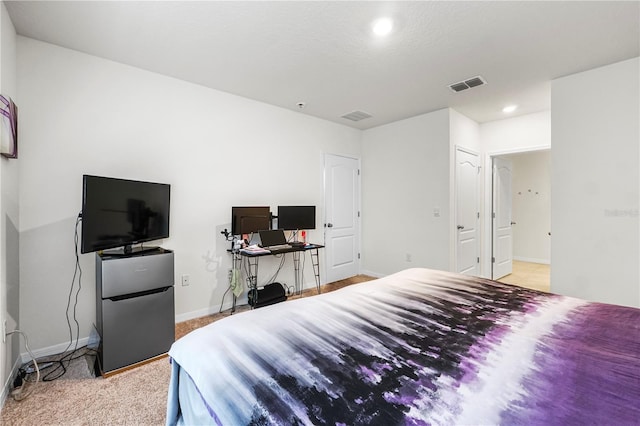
[[356, 115], [467, 84]]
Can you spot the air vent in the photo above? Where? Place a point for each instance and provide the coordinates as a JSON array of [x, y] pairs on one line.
[[458, 87], [356, 115], [467, 84]]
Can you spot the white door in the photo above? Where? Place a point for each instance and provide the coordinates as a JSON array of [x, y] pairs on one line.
[[502, 234], [342, 217], [467, 212]]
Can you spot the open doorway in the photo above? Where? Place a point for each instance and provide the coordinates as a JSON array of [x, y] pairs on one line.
[[520, 218]]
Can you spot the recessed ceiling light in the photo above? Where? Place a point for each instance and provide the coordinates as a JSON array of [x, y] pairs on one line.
[[382, 27], [509, 109]]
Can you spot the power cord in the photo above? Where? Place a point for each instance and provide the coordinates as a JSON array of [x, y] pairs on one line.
[[77, 273], [277, 272], [51, 361], [23, 390]]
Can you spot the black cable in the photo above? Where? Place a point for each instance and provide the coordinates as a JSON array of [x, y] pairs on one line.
[[79, 269], [292, 236], [275, 275], [250, 289], [59, 363], [76, 273]]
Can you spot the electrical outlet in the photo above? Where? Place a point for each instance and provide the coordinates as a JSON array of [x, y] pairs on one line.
[[186, 280], [408, 257]]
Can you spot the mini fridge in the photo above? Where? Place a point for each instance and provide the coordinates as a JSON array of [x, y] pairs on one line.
[[134, 307]]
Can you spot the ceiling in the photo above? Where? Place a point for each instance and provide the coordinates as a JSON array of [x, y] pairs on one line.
[[323, 53]]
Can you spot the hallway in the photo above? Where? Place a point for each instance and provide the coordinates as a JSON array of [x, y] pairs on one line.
[[530, 275]]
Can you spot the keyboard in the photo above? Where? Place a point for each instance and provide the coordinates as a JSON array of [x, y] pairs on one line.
[[278, 247]]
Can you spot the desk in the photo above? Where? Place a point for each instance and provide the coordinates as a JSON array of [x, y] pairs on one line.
[[252, 259]]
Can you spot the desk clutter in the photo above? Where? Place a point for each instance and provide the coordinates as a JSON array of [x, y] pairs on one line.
[[254, 249]]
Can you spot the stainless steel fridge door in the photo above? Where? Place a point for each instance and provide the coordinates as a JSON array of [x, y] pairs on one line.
[[136, 328], [126, 275]]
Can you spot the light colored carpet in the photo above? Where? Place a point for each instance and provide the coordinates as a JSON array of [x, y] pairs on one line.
[[137, 396], [134, 397]]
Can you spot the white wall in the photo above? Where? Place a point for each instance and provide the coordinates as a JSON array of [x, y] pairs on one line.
[[525, 133], [81, 114], [9, 262], [405, 176], [595, 195], [464, 132], [531, 206]]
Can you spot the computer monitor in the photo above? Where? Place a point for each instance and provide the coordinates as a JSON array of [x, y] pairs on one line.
[[247, 220], [292, 218]]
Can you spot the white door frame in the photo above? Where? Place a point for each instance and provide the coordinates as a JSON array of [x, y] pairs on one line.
[[487, 248], [324, 257]]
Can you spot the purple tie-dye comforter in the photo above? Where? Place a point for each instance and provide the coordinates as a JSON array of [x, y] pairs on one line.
[[417, 347]]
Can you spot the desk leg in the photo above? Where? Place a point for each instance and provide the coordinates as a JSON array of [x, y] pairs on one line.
[[236, 265], [296, 273], [252, 278], [316, 267]]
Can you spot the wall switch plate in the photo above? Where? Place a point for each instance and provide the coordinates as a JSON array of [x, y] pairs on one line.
[[186, 280], [4, 331]]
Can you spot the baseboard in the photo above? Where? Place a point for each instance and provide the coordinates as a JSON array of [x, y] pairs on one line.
[[532, 260], [372, 274], [225, 306], [6, 389], [202, 312], [52, 350]]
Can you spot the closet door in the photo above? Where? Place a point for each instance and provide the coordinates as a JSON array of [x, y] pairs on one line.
[[467, 212], [342, 217]]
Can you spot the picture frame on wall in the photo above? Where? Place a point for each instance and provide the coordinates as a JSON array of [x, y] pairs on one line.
[[8, 128]]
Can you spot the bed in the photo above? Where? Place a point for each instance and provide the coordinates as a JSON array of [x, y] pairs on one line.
[[414, 348]]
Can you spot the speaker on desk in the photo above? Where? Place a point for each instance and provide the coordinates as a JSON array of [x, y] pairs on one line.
[[270, 294]]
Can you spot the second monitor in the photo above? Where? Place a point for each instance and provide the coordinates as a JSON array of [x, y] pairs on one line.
[[291, 218]]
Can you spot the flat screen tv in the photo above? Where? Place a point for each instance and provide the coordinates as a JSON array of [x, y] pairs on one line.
[[120, 213], [292, 218], [247, 220]]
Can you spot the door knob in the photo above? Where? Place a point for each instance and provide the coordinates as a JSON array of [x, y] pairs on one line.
[[329, 225], [460, 227], [513, 223]]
